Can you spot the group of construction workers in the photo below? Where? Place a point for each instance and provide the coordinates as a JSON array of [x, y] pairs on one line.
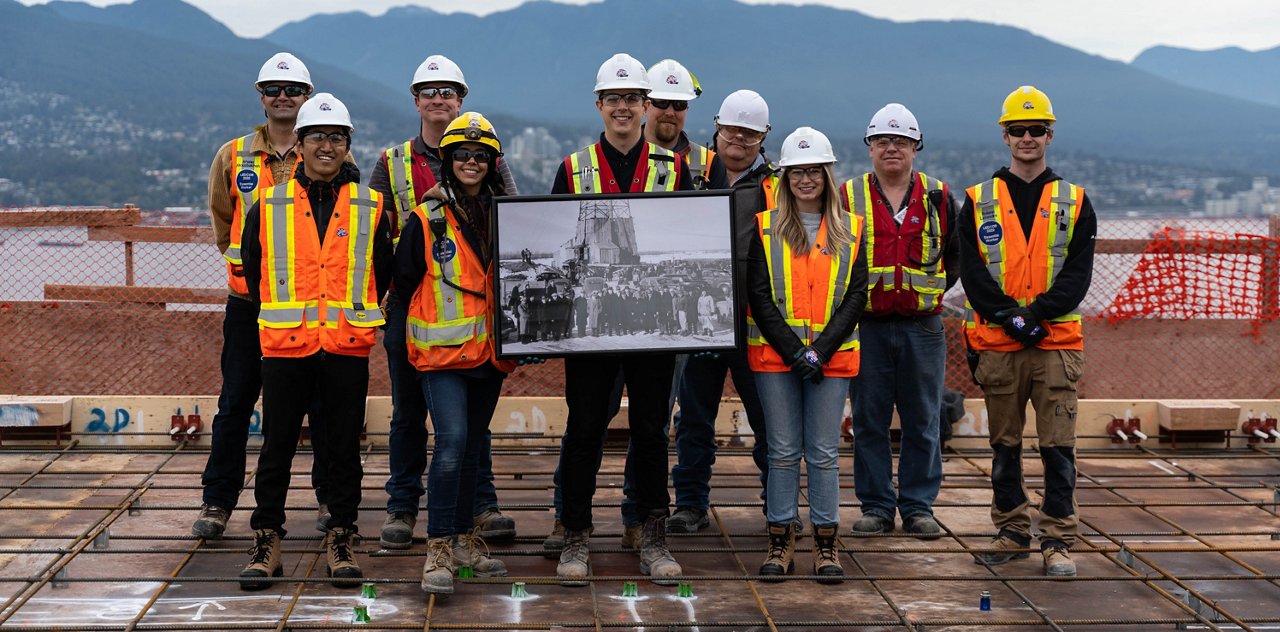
[[843, 286]]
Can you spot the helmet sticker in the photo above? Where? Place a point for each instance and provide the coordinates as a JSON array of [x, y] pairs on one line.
[[325, 107], [622, 72], [894, 123], [433, 66], [1027, 105], [671, 79], [804, 144], [284, 65]]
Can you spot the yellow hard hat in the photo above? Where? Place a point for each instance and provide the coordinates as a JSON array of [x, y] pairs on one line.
[[1027, 103], [470, 127]]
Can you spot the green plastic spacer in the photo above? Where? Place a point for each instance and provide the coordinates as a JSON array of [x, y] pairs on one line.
[[518, 591], [360, 614], [685, 591], [465, 572], [369, 591], [629, 589]]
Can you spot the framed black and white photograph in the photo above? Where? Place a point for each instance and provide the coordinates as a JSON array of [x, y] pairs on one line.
[[615, 274]]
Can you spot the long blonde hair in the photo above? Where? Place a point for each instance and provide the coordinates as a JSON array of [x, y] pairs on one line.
[[792, 231]]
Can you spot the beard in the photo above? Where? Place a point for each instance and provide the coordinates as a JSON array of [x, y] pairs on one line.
[[666, 132]]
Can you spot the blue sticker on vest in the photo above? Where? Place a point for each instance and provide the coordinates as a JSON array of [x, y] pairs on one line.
[[246, 181], [990, 233], [444, 250]]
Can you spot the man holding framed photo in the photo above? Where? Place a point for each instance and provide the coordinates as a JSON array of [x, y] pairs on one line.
[[622, 162]]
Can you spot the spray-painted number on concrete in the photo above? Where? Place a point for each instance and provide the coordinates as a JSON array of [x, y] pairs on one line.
[[98, 421]]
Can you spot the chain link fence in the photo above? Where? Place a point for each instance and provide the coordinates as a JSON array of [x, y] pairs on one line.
[[130, 302]]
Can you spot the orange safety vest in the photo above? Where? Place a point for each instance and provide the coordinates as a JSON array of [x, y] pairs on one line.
[[807, 290], [405, 189], [318, 296], [1024, 268], [449, 328], [904, 267], [584, 170], [250, 174]]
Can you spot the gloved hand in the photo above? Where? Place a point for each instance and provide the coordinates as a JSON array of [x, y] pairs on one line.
[[1021, 325], [531, 360], [807, 364]]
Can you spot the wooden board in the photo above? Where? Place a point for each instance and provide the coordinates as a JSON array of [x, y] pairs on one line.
[[153, 234], [1197, 414], [26, 218], [135, 294]]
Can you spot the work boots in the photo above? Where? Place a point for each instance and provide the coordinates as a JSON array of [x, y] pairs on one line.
[[575, 558], [782, 549], [264, 560], [341, 558], [826, 559], [469, 549], [632, 535], [655, 560], [554, 543], [1008, 546], [1057, 562], [397, 531], [437, 573], [495, 525], [211, 522]]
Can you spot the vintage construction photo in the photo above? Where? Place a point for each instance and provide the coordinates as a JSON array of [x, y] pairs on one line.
[[615, 273]]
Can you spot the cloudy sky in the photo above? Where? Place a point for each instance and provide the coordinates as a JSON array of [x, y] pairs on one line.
[[1118, 29]]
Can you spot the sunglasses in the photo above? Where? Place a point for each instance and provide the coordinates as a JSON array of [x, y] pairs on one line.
[[462, 155], [1017, 131], [289, 91], [430, 93], [663, 104]]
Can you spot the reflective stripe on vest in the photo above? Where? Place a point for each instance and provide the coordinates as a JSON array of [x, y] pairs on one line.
[[1058, 210], [400, 172], [289, 303], [928, 281], [699, 161], [656, 175], [244, 159]]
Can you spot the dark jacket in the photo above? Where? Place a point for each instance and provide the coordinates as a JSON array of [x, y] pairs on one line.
[[322, 196], [1072, 282]]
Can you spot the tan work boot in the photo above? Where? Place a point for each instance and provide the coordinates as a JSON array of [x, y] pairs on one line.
[[1057, 562], [575, 559], [782, 550], [632, 536], [826, 559], [264, 560], [1008, 547], [554, 543], [469, 549], [495, 525], [655, 559], [437, 572], [338, 544]]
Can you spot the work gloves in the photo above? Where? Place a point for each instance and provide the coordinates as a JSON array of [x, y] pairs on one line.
[[807, 364], [1021, 325]]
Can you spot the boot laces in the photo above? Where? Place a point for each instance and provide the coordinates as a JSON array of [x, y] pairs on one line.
[[440, 552], [778, 547], [261, 549], [340, 544], [475, 545], [653, 537]]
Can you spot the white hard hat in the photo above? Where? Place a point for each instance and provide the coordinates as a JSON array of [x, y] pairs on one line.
[[672, 81], [622, 71], [894, 120], [439, 68], [284, 67], [744, 108], [806, 146], [323, 109]]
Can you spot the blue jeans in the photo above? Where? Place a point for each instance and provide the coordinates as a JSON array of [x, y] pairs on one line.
[[803, 419], [407, 442], [223, 477], [701, 388], [903, 362], [462, 405]]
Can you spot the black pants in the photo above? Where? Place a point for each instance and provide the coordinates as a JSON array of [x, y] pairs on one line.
[[588, 382], [334, 387], [223, 477]]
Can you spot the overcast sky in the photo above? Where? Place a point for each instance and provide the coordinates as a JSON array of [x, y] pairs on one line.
[[1118, 29]]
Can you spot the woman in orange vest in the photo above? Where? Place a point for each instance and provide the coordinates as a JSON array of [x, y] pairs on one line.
[[807, 286], [444, 273]]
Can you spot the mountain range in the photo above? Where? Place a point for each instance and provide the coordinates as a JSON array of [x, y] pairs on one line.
[[157, 79]]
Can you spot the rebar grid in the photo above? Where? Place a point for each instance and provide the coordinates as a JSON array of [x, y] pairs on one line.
[[1195, 597]]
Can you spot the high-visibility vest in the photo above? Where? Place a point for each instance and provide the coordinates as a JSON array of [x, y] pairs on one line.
[[904, 263], [450, 321], [405, 189], [250, 174], [589, 172], [807, 289], [1024, 268], [318, 296], [699, 160], [770, 185]]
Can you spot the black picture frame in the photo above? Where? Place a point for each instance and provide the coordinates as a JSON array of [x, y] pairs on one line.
[[616, 274]]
